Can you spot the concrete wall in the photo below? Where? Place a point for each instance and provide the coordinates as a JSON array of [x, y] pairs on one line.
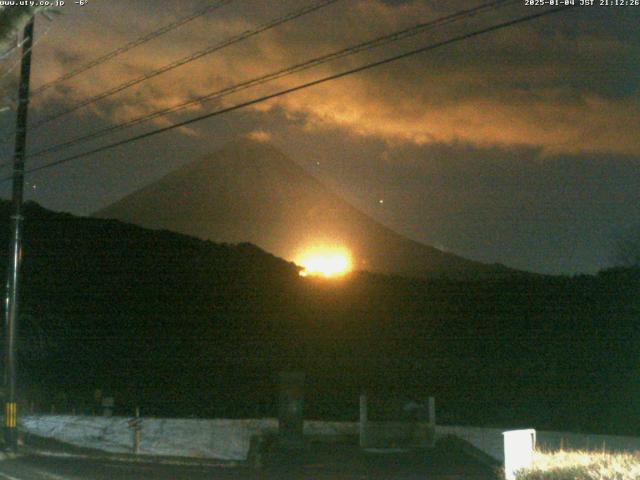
[[487, 440], [217, 439], [230, 439], [317, 428]]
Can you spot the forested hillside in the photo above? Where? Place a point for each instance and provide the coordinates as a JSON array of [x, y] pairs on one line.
[[185, 327]]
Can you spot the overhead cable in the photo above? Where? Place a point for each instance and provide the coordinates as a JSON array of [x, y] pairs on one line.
[[188, 59], [132, 44], [368, 45], [302, 86]]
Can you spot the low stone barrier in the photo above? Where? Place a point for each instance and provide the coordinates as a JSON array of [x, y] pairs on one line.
[[221, 439], [226, 439], [199, 438]]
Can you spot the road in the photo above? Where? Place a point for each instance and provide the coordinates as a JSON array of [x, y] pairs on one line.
[[334, 464]]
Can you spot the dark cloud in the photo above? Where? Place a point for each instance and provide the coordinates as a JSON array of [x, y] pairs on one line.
[[561, 83]]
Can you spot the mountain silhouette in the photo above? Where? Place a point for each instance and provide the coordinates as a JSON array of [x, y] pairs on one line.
[[249, 191]]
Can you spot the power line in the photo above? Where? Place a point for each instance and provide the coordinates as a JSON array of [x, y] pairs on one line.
[[188, 59], [132, 44], [303, 86], [45, 13], [368, 45], [18, 45], [123, 49]]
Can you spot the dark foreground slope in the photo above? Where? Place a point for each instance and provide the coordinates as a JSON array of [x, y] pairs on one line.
[[251, 192], [181, 326]]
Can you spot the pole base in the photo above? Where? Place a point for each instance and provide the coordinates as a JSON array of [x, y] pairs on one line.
[[10, 439]]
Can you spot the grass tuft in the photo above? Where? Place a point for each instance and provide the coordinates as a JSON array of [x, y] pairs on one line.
[[582, 465]]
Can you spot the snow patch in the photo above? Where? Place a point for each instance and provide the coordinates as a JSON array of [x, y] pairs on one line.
[[219, 439], [214, 439]]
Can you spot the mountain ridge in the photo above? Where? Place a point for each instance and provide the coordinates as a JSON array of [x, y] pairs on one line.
[[249, 191]]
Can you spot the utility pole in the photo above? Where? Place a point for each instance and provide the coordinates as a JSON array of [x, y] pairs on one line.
[[13, 270]]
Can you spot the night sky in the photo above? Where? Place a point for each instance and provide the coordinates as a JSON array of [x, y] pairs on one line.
[[520, 146]]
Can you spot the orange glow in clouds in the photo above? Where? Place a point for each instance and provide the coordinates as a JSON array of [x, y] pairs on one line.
[[328, 262]]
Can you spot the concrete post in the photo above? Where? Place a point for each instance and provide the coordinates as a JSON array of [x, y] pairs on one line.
[[290, 409], [432, 412], [137, 433], [107, 406], [431, 425], [363, 420]]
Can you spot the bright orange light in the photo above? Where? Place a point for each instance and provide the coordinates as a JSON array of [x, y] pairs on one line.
[[325, 262]]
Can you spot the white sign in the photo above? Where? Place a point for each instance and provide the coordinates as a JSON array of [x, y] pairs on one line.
[[518, 451]]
